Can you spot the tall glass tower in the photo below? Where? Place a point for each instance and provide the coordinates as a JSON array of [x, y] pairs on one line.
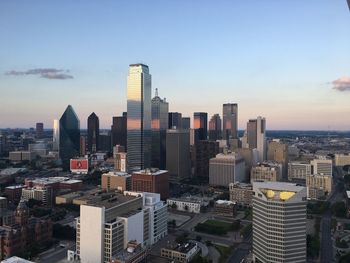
[[215, 127], [93, 125], [69, 142], [230, 120], [56, 135], [200, 124], [160, 109], [139, 117]]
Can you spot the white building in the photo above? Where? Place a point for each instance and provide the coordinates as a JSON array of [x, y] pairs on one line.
[[185, 204], [322, 166], [279, 222], [298, 171], [226, 168]]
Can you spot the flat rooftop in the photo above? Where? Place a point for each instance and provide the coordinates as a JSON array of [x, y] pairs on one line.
[[151, 172], [117, 173], [107, 200], [185, 248]]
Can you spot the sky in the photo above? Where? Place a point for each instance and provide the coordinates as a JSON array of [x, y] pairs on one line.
[[288, 61]]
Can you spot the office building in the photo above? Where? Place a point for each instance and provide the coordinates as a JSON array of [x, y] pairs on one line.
[[225, 208], [200, 124], [256, 138], [69, 132], [266, 171], [151, 180], [114, 180], [178, 161], [174, 120], [322, 166], [278, 152], [204, 151], [93, 125], [56, 136], [160, 109], [279, 222], [230, 121], [251, 158], [119, 130], [318, 185], [225, 169], [186, 123], [139, 138], [341, 159], [39, 130], [298, 171], [241, 194], [19, 156], [39, 193], [215, 128], [120, 162], [83, 145], [185, 204]]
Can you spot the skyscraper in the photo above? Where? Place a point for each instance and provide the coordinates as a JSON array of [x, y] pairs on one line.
[[56, 135], [139, 117], [256, 136], [215, 127], [119, 130], [186, 123], [39, 130], [69, 132], [200, 124], [230, 120], [93, 133], [279, 222], [160, 109], [175, 120]]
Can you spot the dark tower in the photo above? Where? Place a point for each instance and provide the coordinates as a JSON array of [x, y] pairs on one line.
[[119, 130], [69, 136], [200, 124], [93, 125]]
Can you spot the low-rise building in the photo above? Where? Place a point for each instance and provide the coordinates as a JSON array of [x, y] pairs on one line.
[[14, 193], [318, 185], [39, 193], [180, 253], [322, 166], [266, 171], [185, 204], [115, 180], [225, 208], [241, 194], [19, 156], [341, 159], [134, 253], [297, 171]]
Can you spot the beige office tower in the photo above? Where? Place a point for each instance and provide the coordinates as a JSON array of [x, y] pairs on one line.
[[279, 222], [105, 226], [297, 171], [256, 136], [266, 171], [278, 152], [322, 166], [341, 159], [318, 185], [120, 162]]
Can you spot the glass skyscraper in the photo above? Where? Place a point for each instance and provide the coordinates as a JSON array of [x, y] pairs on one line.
[[230, 120], [93, 133], [56, 135], [215, 127], [160, 109], [200, 124], [139, 117], [69, 132]]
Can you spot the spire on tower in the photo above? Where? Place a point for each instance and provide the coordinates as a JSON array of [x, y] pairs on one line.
[[156, 92]]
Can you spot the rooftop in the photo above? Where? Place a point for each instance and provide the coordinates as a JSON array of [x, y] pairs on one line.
[[11, 171], [16, 260], [117, 173], [185, 248], [106, 200], [15, 187], [152, 171]]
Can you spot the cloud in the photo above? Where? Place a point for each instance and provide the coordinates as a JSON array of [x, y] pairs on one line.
[[47, 73], [342, 84]]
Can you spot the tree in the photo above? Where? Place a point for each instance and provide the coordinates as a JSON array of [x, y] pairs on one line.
[[174, 206]]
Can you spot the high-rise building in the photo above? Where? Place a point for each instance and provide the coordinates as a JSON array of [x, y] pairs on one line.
[[204, 151], [318, 185], [39, 130], [119, 130], [104, 141], [256, 130], [69, 132], [93, 125], [298, 171], [322, 166], [225, 169], [278, 152], [279, 222], [83, 142], [151, 180], [230, 120], [120, 181], [175, 120], [139, 137], [56, 135], [178, 161], [186, 123], [215, 127], [200, 124], [160, 109]]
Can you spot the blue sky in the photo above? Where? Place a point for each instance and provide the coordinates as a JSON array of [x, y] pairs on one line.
[[275, 58]]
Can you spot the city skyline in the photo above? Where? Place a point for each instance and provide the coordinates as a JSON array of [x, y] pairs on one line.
[[232, 51]]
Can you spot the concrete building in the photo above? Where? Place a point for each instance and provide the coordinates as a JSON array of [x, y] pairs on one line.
[[180, 253], [151, 180], [20, 156], [318, 185], [204, 151], [256, 136], [279, 222], [298, 171], [322, 166], [341, 159], [178, 161], [278, 152], [251, 158], [185, 204], [120, 163], [225, 208], [120, 181], [241, 194], [134, 253], [39, 193], [225, 169], [266, 171]]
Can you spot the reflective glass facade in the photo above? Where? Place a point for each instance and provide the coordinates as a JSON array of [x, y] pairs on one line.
[[215, 127], [230, 120], [93, 133], [160, 109], [56, 135], [69, 132], [200, 124], [139, 117]]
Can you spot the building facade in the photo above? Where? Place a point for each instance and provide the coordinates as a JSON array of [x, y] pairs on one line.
[[241, 194], [93, 126], [200, 124], [119, 130], [230, 121], [215, 128], [298, 171], [266, 171]]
